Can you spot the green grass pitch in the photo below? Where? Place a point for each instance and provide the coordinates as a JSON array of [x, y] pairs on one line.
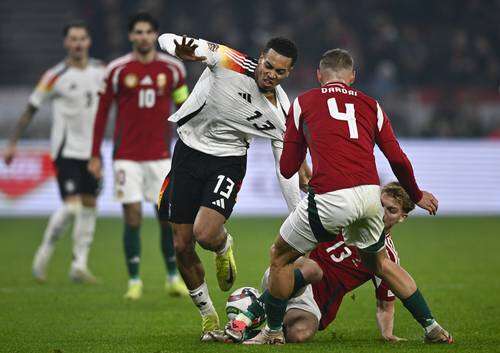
[[454, 260]]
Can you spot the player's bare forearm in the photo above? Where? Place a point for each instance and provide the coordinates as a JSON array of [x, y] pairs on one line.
[[22, 123], [305, 175], [385, 320]]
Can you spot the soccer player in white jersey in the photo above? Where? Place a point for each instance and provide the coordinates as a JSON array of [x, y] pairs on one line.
[[235, 98], [72, 86]]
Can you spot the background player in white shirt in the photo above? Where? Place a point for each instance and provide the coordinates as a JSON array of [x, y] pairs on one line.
[[72, 86], [235, 98]]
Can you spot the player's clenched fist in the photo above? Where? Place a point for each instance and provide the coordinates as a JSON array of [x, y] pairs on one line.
[[95, 167], [9, 154], [429, 203]]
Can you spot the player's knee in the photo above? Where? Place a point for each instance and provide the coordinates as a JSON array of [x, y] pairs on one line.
[[182, 245], [132, 215], [310, 269], [299, 333], [205, 237]]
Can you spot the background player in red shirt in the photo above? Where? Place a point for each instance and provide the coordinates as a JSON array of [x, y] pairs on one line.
[[143, 84], [334, 269], [340, 126]]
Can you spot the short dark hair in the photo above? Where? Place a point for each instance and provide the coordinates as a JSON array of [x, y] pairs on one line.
[[142, 17], [284, 47], [336, 59], [75, 24]]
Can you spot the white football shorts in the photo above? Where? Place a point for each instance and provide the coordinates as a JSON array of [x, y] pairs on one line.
[[139, 181], [319, 218]]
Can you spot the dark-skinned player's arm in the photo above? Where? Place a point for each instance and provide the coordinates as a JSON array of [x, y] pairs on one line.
[[295, 147], [200, 50], [106, 97], [400, 164]]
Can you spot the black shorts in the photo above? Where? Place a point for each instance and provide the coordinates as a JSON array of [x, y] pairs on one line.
[[199, 179], [73, 178]]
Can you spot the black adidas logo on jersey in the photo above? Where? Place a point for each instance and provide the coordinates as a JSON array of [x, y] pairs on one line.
[[246, 96]]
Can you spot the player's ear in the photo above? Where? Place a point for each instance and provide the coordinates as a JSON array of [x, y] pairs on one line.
[[403, 217], [319, 76], [353, 78]]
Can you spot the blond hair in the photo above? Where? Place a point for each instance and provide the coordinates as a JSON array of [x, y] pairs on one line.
[[336, 60], [396, 191]]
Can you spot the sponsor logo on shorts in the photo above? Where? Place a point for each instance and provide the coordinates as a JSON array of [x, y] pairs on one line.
[[220, 203]]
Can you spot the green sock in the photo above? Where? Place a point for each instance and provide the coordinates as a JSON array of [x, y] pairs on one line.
[[132, 245], [167, 249], [299, 282], [418, 307], [275, 311]]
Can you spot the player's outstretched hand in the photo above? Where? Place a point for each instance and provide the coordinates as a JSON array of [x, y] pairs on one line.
[[429, 203], [186, 50], [9, 154], [95, 167]]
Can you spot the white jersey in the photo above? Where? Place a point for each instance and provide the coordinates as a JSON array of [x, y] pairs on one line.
[[226, 108], [73, 92]]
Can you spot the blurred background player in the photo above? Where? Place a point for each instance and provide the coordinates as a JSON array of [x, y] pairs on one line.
[[236, 98], [143, 84], [334, 269], [72, 86], [340, 125]]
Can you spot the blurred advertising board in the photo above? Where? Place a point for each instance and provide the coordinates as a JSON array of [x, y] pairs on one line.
[[463, 174]]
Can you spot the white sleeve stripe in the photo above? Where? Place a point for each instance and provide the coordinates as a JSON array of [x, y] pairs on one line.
[[115, 79], [297, 111], [235, 56], [243, 63], [380, 117]]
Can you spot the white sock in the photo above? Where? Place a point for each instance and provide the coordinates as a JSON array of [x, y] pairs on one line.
[[201, 298], [229, 242], [83, 234], [58, 223], [431, 327], [173, 278]]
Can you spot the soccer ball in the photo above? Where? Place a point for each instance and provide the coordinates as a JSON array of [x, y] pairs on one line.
[[240, 300]]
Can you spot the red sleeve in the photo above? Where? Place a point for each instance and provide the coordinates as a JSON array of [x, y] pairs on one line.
[[400, 164], [295, 147], [106, 96]]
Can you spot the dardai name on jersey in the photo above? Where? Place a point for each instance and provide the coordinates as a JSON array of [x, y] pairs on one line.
[[339, 90]]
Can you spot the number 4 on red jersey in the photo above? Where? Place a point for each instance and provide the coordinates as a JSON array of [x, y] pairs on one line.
[[340, 125]]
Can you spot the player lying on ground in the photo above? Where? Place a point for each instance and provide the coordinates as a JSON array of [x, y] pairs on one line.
[[72, 86], [334, 269], [340, 126], [143, 84], [235, 98]]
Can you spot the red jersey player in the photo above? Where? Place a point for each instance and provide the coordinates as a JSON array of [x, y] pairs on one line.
[[341, 271], [340, 125], [336, 269], [143, 84]]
